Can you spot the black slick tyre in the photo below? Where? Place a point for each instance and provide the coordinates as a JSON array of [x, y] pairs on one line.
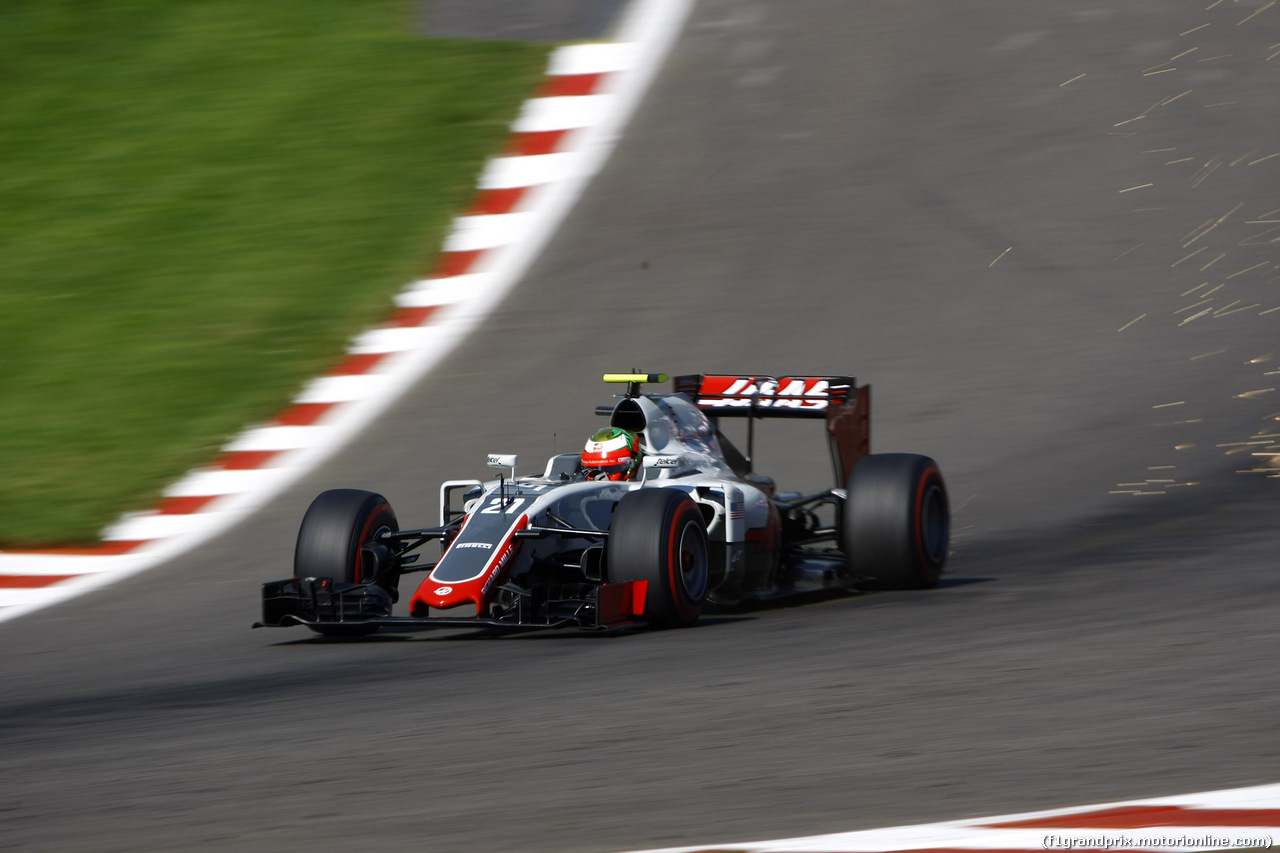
[[897, 521], [659, 536], [337, 524]]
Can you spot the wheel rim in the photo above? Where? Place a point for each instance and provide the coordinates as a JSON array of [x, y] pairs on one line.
[[934, 524], [693, 562]]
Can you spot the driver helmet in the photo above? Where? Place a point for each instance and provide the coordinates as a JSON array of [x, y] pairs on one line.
[[612, 453]]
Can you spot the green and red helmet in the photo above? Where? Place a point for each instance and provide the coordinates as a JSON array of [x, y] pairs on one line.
[[613, 452]]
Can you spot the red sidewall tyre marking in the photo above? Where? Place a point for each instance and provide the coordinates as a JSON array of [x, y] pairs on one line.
[[925, 562], [674, 563]]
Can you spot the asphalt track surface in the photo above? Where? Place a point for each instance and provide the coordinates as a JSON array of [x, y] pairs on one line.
[[810, 186]]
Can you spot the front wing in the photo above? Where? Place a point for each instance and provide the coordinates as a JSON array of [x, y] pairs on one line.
[[328, 606]]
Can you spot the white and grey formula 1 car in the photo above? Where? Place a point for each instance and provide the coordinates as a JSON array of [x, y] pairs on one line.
[[694, 526]]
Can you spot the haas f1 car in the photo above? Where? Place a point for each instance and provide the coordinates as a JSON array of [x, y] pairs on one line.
[[687, 524]]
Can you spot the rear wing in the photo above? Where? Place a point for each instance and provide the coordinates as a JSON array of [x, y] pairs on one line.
[[765, 396], [837, 399]]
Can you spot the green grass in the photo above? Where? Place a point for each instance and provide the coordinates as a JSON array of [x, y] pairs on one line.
[[200, 203]]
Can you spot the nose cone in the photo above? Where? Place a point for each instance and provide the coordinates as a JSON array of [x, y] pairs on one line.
[[472, 567], [462, 598], [443, 596]]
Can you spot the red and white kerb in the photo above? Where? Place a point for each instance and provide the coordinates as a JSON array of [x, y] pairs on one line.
[[1243, 818]]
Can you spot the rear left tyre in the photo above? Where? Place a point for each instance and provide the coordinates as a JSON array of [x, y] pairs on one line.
[[338, 540], [660, 536]]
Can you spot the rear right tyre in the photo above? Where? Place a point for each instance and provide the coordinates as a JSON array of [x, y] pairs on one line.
[[897, 521]]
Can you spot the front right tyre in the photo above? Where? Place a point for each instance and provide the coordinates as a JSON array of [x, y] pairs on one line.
[[660, 536]]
